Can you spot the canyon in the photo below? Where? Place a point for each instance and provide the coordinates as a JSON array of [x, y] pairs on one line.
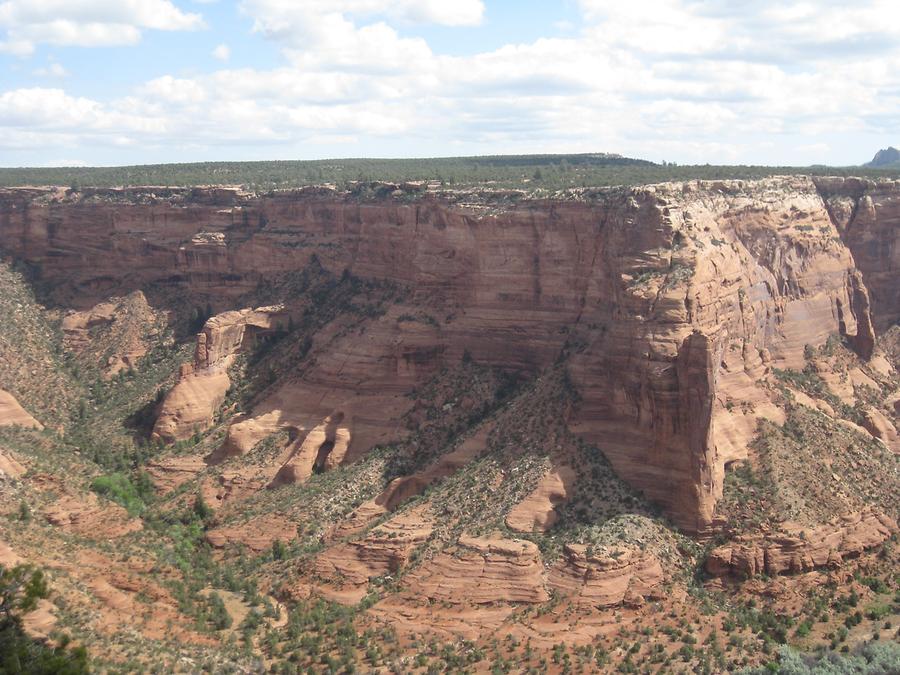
[[644, 335], [671, 300]]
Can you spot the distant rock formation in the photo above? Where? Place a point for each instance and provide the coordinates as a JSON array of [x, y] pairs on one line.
[[888, 157]]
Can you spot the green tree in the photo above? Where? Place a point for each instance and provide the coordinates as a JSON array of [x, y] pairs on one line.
[[24, 511], [279, 550], [202, 509], [218, 614], [20, 589]]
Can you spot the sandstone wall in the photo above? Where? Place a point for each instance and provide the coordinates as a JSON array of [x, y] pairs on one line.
[[867, 213], [668, 301]]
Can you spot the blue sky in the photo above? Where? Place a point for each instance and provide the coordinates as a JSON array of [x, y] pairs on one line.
[[105, 82]]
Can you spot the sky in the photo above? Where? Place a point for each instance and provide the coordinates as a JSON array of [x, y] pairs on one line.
[[111, 82]]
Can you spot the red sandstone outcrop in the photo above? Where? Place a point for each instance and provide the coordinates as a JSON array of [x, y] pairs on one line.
[[9, 466], [537, 512], [360, 381], [192, 403], [170, 473], [257, 534], [877, 424], [401, 489], [659, 286], [866, 212], [384, 550], [88, 517], [322, 447], [801, 549], [41, 621], [13, 414], [483, 570], [129, 323], [604, 580]]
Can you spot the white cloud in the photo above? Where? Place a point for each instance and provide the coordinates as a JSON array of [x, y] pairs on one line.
[[54, 70], [683, 80], [24, 24], [222, 52], [325, 33], [174, 91], [278, 16], [65, 162], [759, 30]]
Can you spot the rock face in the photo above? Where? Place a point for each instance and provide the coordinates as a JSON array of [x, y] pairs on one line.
[[867, 214], [257, 534], [10, 467], [90, 518], [125, 324], [12, 414], [670, 302], [799, 549], [483, 570], [538, 510], [324, 444], [384, 550], [192, 403], [882, 428], [627, 576]]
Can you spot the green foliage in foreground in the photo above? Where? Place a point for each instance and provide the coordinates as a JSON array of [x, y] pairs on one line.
[[507, 171], [117, 487], [873, 659], [20, 589]]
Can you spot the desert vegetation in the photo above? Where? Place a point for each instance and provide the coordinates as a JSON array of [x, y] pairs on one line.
[[547, 172]]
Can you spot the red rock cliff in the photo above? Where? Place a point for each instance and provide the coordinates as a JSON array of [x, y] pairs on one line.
[[667, 301]]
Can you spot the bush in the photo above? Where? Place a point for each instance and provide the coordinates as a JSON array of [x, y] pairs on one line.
[[878, 612], [279, 550], [872, 659], [20, 589], [118, 487], [218, 615], [24, 511], [202, 509]]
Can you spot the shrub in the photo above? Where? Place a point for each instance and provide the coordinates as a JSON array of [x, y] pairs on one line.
[[872, 659], [202, 509], [218, 615], [118, 487], [24, 511], [279, 550], [20, 589]]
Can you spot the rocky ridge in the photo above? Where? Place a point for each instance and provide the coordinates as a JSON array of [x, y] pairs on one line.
[[670, 300]]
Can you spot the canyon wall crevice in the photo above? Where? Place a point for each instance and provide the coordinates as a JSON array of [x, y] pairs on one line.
[[668, 301]]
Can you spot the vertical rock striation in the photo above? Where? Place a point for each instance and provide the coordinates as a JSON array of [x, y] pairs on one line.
[[668, 303]]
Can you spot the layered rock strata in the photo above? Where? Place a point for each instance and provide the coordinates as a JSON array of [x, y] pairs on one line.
[[802, 549], [483, 570], [537, 512], [867, 214], [190, 406], [385, 550], [669, 302], [603, 580], [125, 324]]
